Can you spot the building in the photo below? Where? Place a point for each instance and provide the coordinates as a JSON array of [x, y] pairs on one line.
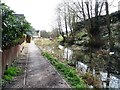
[[19, 15], [37, 34]]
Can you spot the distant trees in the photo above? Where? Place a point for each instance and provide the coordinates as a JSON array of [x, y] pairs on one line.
[[54, 33], [44, 34], [66, 19], [49, 34]]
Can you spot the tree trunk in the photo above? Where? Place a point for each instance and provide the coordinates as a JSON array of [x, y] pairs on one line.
[[108, 24]]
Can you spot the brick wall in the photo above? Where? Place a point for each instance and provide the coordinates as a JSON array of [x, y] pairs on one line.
[[9, 55]]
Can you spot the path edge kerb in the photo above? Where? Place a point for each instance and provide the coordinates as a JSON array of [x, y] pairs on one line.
[[61, 76]]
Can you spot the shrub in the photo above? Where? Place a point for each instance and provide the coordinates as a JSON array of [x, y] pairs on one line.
[[8, 77], [91, 80], [10, 73], [13, 27], [13, 71]]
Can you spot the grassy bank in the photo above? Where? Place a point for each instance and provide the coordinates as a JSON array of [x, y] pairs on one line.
[[68, 72], [46, 42]]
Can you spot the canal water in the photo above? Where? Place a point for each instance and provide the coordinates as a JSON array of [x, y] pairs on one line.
[[97, 66], [109, 75]]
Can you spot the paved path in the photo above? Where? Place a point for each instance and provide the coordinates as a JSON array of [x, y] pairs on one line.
[[39, 73]]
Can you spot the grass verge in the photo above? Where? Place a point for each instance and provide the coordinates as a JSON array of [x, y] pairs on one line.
[[68, 72]]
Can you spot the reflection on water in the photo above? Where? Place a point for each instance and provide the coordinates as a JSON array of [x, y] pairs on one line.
[[82, 67], [68, 54], [97, 68], [114, 81]]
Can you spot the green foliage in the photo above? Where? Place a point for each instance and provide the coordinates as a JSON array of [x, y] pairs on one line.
[[69, 73], [10, 73], [60, 38], [8, 77], [13, 27]]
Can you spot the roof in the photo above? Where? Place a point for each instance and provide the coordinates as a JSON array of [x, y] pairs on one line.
[[20, 15]]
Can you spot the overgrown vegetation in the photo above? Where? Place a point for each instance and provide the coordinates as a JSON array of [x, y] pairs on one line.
[[92, 36], [97, 34], [68, 72], [9, 74], [46, 42]]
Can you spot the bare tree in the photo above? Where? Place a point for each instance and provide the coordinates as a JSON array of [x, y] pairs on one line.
[[59, 21], [65, 20], [110, 40], [89, 12], [108, 24], [72, 19], [86, 11]]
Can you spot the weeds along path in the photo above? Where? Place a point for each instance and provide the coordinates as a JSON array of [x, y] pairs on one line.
[[38, 72], [18, 81]]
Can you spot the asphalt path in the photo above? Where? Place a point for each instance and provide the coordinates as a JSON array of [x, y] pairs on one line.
[[38, 71]]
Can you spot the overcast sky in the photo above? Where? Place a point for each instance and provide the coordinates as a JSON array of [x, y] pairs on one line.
[[41, 13]]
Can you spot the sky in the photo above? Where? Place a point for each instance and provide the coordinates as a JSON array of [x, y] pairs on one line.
[[41, 13]]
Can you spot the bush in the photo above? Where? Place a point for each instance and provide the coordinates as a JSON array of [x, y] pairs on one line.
[[13, 71], [10, 73], [91, 80], [14, 26], [8, 77]]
